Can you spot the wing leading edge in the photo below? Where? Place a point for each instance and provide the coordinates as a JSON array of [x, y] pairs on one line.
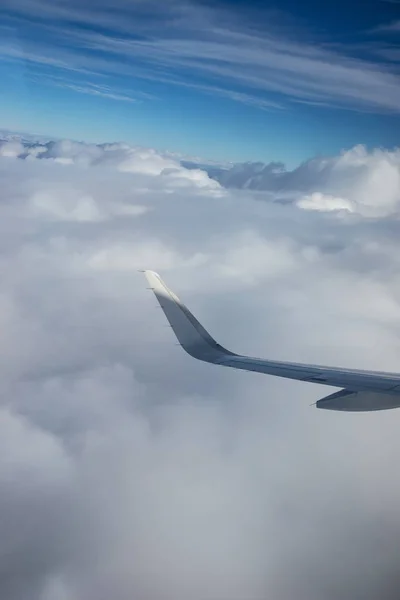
[[364, 390]]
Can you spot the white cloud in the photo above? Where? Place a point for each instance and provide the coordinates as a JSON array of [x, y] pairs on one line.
[[11, 149], [129, 470], [148, 162], [324, 202], [70, 205], [362, 182]]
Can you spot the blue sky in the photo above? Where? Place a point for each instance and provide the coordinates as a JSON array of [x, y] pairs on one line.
[[222, 80]]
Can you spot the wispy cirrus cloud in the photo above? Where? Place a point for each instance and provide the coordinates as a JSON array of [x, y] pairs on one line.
[[31, 54], [389, 53], [209, 49], [394, 26], [97, 90]]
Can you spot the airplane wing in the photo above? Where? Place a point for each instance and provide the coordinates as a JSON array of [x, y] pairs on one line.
[[363, 390]]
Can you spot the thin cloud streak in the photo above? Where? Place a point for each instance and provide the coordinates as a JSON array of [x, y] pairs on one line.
[[62, 62], [390, 27], [247, 64], [97, 91]]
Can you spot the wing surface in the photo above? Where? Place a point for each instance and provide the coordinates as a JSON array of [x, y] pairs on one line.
[[372, 390]]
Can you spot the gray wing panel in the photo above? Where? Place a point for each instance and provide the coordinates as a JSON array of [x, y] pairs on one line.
[[190, 333], [351, 401], [198, 343]]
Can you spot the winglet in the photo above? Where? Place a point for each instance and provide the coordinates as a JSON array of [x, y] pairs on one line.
[[190, 333]]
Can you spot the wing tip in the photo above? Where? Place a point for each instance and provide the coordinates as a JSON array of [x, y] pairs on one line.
[[150, 272], [153, 278], [191, 334]]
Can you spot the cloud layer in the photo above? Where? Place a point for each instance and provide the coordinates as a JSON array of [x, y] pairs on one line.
[[129, 470], [358, 181]]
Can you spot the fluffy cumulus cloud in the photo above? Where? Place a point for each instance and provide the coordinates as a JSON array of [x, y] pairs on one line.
[[358, 181], [130, 471]]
